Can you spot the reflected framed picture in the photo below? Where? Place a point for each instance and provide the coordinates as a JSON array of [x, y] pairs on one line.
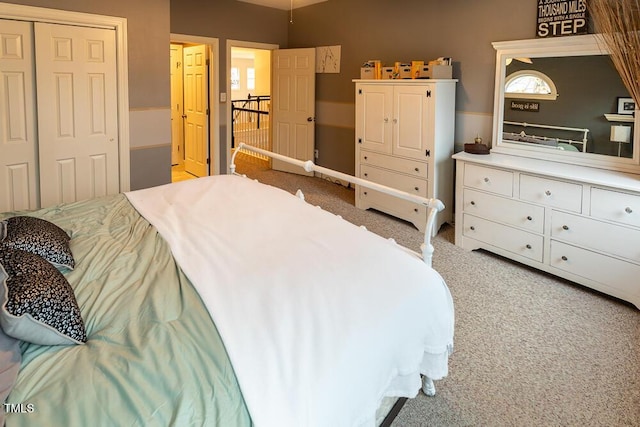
[[626, 106]]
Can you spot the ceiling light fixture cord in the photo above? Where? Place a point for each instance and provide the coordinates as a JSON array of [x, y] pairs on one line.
[[291, 13]]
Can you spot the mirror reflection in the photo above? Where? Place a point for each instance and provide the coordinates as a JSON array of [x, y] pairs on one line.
[[571, 103]]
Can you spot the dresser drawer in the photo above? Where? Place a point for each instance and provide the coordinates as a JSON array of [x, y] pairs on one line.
[[615, 206], [604, 237], [511, 239], [549, 192], [488, 179], [410, 167], [406, 183], [500, 209], [616, 274]]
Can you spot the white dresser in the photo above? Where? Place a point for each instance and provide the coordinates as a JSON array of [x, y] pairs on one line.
[[404, 139], [576, 222]]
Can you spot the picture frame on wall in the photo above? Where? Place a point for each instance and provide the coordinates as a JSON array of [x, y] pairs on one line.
[[626, 106]]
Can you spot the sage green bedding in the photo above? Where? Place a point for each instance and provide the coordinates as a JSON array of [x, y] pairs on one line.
[[153, 355]]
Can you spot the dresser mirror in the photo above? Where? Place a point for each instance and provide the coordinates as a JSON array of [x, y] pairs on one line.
[[562, 99]]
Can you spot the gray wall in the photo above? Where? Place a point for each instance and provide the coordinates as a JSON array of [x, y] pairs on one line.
[[403, 31], [366, 29]]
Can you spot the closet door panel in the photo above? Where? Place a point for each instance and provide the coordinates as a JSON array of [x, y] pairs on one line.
[[77, 112], [18, 160]]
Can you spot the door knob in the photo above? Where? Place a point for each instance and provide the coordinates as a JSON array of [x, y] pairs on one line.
[[310, 119]]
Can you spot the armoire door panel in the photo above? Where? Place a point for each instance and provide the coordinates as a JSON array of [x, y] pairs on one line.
[[76, 75], [18, 160]]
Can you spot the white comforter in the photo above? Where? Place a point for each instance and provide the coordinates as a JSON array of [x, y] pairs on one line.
[[321, 319]]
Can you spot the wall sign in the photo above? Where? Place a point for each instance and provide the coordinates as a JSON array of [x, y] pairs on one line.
[[561, 18], [328, 59], [530, 106]]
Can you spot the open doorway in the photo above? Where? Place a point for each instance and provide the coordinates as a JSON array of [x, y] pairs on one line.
[[249, 89], [194, 106], [251, 99]]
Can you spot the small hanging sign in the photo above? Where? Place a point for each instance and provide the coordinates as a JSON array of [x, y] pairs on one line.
[[561, 18], [530, 106]]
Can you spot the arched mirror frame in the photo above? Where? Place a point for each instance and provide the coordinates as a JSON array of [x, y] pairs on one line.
[[590, 44]]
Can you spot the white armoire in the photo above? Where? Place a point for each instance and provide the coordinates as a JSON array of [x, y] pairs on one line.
[[59, 130], [405, 139]]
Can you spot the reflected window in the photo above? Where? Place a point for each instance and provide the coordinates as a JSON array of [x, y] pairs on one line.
[[530, 84]]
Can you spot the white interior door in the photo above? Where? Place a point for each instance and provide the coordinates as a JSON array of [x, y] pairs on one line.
[[77, 112], [18, 160], [293, 106], [177, 122], [196, 109]]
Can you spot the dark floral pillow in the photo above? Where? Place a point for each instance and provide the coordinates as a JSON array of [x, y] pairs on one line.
[[37, 304], [39, 237]]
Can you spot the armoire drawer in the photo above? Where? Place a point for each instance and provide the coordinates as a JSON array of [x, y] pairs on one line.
[[508, 238], [402, 182], [488, 179], [550, 192], [412, 212], [615, 206], [410, 167], [605, 237], [612, 272], [500, 209]]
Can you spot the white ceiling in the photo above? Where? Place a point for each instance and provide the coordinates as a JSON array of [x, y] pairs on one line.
[[283, 4]]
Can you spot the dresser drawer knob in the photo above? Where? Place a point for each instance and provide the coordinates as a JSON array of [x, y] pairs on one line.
[[472, 228], [366, 174], [416, 188], [564, 258], [548, 193], [473, 203], [528, 246], [365, 193], [415, 210], [365, 157], [565, 227], [486, 179], [529, 218], [417, 169], [628, 210]]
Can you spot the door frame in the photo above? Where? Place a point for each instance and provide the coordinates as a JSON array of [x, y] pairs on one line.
[[56, 16], [232, 44], [213, 45]]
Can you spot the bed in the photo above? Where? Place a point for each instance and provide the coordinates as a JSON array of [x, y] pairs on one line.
[[197, 311], [555, 137]]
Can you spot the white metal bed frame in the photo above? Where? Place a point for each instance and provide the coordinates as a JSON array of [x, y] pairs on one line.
[[433, 207], [585, 132]]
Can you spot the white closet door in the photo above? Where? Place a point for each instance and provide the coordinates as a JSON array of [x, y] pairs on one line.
[[18, 160], [77, 112]]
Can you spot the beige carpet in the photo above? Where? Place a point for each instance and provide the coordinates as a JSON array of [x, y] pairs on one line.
[[530, 349]]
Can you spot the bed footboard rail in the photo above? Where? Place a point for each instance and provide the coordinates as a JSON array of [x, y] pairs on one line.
[[433, 205]]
